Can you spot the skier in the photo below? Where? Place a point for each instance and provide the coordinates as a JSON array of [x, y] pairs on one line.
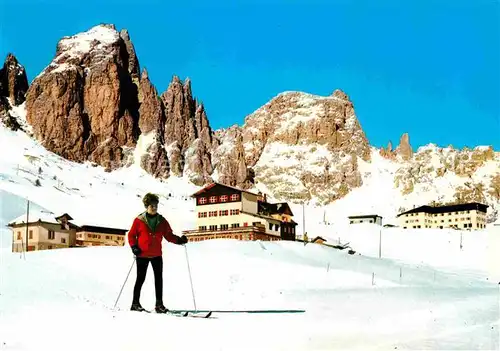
[[145, 238]]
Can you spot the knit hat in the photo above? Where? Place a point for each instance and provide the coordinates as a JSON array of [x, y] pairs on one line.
[[150, 199]]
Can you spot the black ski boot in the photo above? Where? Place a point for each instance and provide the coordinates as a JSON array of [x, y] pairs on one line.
[[137, 307], [160, 308]]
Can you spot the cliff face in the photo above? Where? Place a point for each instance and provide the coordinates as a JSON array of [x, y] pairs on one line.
[[302, 146], [84, 105]]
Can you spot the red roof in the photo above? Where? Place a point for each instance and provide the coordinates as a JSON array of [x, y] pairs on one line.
[[210, 186]]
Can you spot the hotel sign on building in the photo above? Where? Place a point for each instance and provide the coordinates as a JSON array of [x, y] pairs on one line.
[[462, 216], [226, 212]]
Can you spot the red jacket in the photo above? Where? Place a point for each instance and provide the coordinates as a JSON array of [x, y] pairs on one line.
[[150, 242]]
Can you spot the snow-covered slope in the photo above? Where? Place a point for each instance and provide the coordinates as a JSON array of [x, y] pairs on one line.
[[350, 302]]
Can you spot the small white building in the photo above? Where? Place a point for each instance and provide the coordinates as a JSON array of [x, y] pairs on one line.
[[365, 219]]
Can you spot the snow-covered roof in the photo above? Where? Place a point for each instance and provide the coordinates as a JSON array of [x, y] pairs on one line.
[[35, 216], [50, 217]]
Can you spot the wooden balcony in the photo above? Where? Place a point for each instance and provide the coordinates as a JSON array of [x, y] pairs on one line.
[[249, 229], [242, 233]]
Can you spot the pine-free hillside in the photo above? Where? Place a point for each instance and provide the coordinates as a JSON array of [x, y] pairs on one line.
[[93, 102]]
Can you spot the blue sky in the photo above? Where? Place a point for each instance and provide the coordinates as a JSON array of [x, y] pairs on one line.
[[429, 68]]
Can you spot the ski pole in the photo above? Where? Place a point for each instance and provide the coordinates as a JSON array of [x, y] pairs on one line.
[[130, 270], [191, 280]]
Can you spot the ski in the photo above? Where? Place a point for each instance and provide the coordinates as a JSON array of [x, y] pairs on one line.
[[177, 313], [200, 314], [193, 314]]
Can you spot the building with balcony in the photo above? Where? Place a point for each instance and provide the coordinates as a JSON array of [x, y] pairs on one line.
[[462, 216], [227, 212], [88, 235], [41, 230]]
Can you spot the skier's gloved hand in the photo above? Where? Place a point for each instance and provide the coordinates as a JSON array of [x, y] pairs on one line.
[[182, 240], [136, 250]]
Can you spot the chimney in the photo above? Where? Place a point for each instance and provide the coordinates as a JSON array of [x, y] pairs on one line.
[[265, 197]]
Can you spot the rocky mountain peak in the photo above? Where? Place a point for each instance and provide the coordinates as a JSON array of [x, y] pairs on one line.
[[404, 148], [339, 94], [403, 151], [188, 136], [13, 87], [297, 118], [295, 124], [133, 62], [13, 80], [84, 105]]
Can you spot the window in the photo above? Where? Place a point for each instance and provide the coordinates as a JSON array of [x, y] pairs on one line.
[[202, 200], [213, 227], [202, 214], [235, 225], [276, 227], [270, 226], [223, 198], [235, 212], [235, 197], [31, 234], [245, 224], [223, 212], [202, 227], [213, 199], [224, 226], [52, 235], [63, 240], [212, 214], [465, 225]]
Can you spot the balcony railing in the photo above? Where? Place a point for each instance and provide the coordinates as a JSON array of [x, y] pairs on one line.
[[249, 229]]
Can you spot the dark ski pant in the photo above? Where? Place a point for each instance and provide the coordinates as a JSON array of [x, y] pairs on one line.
[[142, 268]]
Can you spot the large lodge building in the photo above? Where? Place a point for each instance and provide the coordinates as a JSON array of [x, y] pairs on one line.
[[227, 212], [463, 216]]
